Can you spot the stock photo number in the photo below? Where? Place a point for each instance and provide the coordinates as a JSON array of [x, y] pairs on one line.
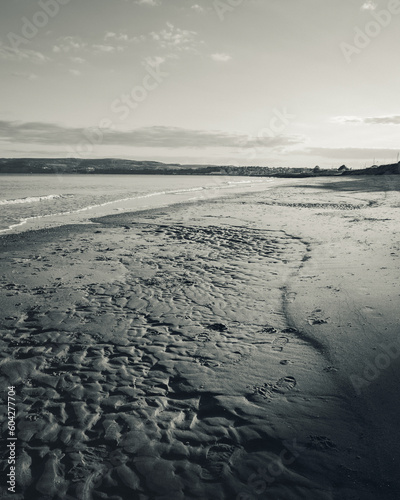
[[11, 439]]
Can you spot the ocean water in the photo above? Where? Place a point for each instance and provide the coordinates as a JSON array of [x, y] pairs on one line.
[[37, 201]]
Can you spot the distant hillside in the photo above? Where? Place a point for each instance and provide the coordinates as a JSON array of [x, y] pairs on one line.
[[78, 166], [392, 169], [117, 166]]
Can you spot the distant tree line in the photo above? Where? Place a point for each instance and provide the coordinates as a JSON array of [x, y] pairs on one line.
[[116, 166]]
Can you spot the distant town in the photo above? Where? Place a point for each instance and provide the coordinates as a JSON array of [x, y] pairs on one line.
[[119, 166]]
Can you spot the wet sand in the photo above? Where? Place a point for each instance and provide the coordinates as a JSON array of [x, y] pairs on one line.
[[213, 350]]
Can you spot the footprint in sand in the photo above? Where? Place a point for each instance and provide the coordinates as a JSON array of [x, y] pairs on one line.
[[284, 385], [218, 327], [269, 391], [88, 470], [279, 343], [290, 330], [317, 321], [290, 297], [321, 443], [217, 459], [203, 337], [269, 329], [316, 318]]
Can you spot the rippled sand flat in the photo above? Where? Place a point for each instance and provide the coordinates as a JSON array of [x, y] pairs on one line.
[[182, 354]]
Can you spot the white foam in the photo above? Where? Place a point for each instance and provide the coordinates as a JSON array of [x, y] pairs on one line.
[[34, 199]]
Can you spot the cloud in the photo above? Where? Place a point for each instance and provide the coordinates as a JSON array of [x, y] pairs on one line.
[[345, 119], [197, 8], [77, 60], [383, 120], [373, 120], [68, 44], [107, 48], [351, 153], [369, 5], [75, 72], [220, 57], [119, 37], [26, 76], [19, 54], [150, 3], [154, 137], [154, 61], [138, 38], [174, 38]]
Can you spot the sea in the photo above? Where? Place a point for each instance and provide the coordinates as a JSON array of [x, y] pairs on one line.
[[29, 202]]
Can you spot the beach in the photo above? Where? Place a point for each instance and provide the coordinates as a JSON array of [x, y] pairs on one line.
[[244, 347]]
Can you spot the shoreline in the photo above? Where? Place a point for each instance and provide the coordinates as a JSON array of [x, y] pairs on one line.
[[205, 315], [216, 187]]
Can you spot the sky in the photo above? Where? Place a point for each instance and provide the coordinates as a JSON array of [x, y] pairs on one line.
[[293, 83]]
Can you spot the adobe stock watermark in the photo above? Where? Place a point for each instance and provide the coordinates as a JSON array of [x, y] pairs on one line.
[[11, 439], [223, 7], [372, 29], [122, 107], [258, 482], [30, 28], [373, 369]]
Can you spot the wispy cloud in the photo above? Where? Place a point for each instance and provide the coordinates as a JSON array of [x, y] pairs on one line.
[[21, 54], [345, 119], [75, 72], [71, 44], [174, 38], [154, 61], [155, 137], [26, 76], [220, 57], [372, 120], [68, 44], [150, 3], [138, 38], [369, 5], [119, 37], [351, 153], [108, 49], [198, 8], [170, 38], [77, 60], [383, 120]]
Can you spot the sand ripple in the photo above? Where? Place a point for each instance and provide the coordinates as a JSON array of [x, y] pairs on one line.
[[174, 376]]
